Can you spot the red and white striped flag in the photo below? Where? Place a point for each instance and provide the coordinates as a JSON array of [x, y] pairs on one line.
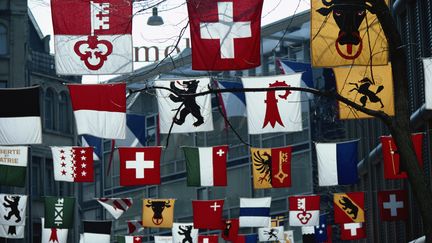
[[116, 206], [134, 226]]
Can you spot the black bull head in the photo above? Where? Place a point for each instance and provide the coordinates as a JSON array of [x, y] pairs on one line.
[[157, 208], [348, 15]]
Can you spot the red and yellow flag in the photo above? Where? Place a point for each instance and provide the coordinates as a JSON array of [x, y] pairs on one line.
[[349, 207], [158, 213]]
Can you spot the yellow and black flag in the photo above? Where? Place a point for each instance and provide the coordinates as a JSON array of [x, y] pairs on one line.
[[372, 89], [271, 167], [349, 207], [346, 32], [158, 213]]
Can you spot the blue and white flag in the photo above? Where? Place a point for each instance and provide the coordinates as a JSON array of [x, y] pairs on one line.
[[233, 103], [255, 212], [337, 163], [135, 132], [290, 67], [95, 142], [321, 229]]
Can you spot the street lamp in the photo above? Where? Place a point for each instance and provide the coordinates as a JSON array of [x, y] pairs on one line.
[[155, 20]]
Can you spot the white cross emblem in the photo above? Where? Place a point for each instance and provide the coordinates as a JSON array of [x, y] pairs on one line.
[[215, 206], [99, 16], [205, 240], [352, 227], [220, 152], [139, 164], [226, 30], [393, 205]]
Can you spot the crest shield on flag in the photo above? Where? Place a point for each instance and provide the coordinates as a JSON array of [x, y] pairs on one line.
[[349, 207], [304, 210], [59, 212], [158, 213]]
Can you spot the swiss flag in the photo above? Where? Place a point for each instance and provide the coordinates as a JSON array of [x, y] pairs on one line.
[[225, 34], [353, 231], [230, 228], [392, 169], [139, 166], [208, 238], [207, 214], [393, 205]]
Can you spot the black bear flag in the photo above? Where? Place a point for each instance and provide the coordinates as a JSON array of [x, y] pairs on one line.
[[12, 215], [179, 109]]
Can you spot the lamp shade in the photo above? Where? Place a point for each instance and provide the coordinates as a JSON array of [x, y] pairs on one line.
[[155, 19]]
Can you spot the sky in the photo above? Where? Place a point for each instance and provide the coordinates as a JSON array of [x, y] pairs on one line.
[[174, 14]]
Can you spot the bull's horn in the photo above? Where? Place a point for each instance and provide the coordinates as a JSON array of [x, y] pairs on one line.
[[328, 4]]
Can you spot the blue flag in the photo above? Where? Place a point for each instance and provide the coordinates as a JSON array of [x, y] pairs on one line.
[[321, 229], [290, 67], [95, 142], [233, 103], [135, 132]]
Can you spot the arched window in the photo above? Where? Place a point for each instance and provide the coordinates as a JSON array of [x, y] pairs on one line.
[[64, 113], [3, 40], [49, 101]]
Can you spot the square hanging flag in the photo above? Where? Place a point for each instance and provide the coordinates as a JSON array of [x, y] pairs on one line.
[[206, 166], [13, 209], [369, 88], [346, 32], [116, 206], [92, 37], [99, 109], [225, 35], [353, 231], [304, 210], [184, 232], [184, 114], [13, 165], [392, 165], [274, 110], [271, 167], [59, 212], [337, 163], [274, 234], [139, 166], [20, 123], [230, 228], [73, 164], [53, 235], [207, 214], [158, 213], [349, 207], [255, 212], [393, 205]]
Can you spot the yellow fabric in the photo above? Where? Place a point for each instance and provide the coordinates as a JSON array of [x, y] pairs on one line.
[[325, 32], [360, 216], [261, 174], [167, 214], [349, 86]]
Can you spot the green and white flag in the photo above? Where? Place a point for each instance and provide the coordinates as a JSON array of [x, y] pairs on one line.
[[206, 166], [59, 212], [129, 239], [13, 165], [53, 235]]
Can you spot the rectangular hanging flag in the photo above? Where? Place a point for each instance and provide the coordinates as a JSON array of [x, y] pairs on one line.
[[392, 166], [135, 132], [274, 234], [184, 114], [97, 231], [184, 232], [291, 67], [255, 212], [158, 213], [206, 166], [95, 142], [304, 210], [207, 214], [92, 37], [129, 239], [20, 123], [353, 231], [116, 206], [59, 212], [273, 111], [73, 164], [99, 109], [337, 163], [13, 209], [370, 88], [346, 33], [139, 166], [53, 235], [349, 207], [233, 104], [271, 167], [13, 165], [225, 35]]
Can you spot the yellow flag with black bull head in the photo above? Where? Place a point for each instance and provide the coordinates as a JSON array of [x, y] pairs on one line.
[[346, 32], [158, 213], [372, 89]]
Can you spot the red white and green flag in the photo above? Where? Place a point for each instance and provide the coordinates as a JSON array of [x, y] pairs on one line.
[[129, 239]]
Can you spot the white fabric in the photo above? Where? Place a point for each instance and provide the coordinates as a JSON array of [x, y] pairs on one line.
[[264, 233], [14, 156], [4, 210], [46, 233], [168, 108], [19, 232], [427, 66], [96, 238], [102, 124], [289, 109], [327, 164], [68, 62], [295, 221], [177, 238], [58, 176], [419, 240], [255, 221], [206, 166], [115, 212], [20, 130], [163, 239], [289, 236], [306, 230]]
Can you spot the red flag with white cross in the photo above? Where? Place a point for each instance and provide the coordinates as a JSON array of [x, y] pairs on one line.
[[139, 166], [208, 238], [353, 231], [73, 164], [225, 34], [207, 214], [393, 205]]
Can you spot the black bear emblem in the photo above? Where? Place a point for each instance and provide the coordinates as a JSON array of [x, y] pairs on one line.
[[186, 232], [189, 105], [349, 207], [12, 203]]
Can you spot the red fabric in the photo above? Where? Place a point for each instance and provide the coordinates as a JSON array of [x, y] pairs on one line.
[[219, 165], [130, 176], [312, 203], [347, 234], [84, 170], [342, 215], [206, 53], [230, 228], [74, 17], [99, 97], [329, 234], [134, 226], [281, 178], [53, 236], [137, 239], [207, 214], [208, 238], [392, 168], [397, 200]]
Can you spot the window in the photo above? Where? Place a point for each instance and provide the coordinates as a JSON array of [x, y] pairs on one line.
[[3, 40], [151, 130], [64, 113], [49, 110]]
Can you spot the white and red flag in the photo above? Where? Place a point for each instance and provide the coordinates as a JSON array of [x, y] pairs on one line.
[[353, 231], [92, 36], [73, 164], [134, 226], [208, 238], [99, 109], [225, 34], [139, 166], [207, 214], [304, 210], [116, 206], [393, 205]]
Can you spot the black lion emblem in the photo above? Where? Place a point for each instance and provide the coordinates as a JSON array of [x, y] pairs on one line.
[[189, 105], [12, 203]]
